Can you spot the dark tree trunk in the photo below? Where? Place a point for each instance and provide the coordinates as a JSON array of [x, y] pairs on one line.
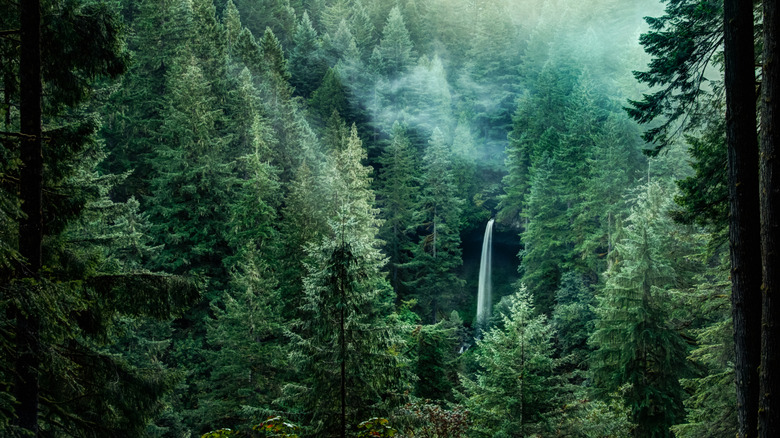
[[31, 226], [744, 234], [769, 410]]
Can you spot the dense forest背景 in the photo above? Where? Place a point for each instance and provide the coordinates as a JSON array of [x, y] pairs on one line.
[[265, 218]]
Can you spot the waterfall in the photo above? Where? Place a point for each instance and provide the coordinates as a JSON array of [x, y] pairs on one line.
[[484, 298]]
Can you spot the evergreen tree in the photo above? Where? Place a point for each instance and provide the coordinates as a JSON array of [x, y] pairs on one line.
[[614, 163], [275, 65], [344, 342], [306, 65], [246, 356], [334, 14], [135, 113], [231, 22], [395, 48], [67, 261], [572, 319], [465, 169], [210, 45], [428, 98], [436, 358], [397, 193], [437, 255], [546, 240], [363, 29], [637, 352], [537, 113], [710, 408], [491, 61], [245, 333], [329, 97], [515, 390], [192, 179], [277, 15]]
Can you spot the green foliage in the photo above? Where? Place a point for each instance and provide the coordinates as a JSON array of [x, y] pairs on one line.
[[637, 350], [329, 97], [276, 427], [572, 319], [397, 195], [306, 63], [516, 389], [437, 254], [346, 349], [703, 197], [376, 427], [710, 408], [273, 427], [683, 43], [228, 160], [395, 50], [435, 366], [428, 420]]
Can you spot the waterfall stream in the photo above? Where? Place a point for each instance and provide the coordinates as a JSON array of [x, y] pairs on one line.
[[484, 292]]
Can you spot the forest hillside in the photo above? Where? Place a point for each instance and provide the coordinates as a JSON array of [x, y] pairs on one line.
[[376, 218]]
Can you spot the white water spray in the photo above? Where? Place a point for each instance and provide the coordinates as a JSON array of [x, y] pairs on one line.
[[484, 298]]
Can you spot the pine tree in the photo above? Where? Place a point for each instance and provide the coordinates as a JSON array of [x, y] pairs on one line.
[[514, 392], [306, 64], [537, 113], [231, 22], [465, 169], [435, 366], [614, 163], [395, 48], [246, 355], [428, 98], [546, 240], [334, 14], [362, 29], [210, 45], [345, 347], [573, 318], [437, 256], [492, 61], [397, 193], [329, 97], [710, 408], [276, 15], [134, 115], [66, 239], [191, 180], [245, 334], [637, 352]]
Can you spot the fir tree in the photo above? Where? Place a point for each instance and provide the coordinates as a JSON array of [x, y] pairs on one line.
[[435, 366], [71, 277], [306, 64], [710, 408], [395, 48], [437, 255], [345, 347], [637, 352], [546, 245], [135, 112], [397, 192], [515, 390]]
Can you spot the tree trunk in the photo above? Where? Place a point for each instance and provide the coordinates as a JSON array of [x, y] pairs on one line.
[[31, 226], [343, 272], [744, 235], [769, 409]]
